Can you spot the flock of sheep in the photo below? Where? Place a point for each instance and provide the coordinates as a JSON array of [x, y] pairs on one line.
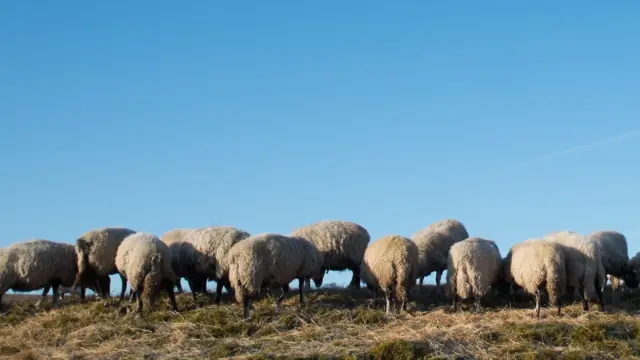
[[558, 263]]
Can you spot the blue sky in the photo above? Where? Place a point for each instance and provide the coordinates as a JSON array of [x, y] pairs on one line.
[[518, 119]]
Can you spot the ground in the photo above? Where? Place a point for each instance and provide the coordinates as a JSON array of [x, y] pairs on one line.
[[334, 324]]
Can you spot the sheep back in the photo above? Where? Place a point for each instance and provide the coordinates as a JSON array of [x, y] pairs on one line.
[[391, 265], [145, 261], [341, 243], [473, 266], [434, 242], [36, 263], [267, 260]]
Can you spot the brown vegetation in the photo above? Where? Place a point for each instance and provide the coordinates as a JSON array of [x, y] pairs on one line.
[[334, 324]]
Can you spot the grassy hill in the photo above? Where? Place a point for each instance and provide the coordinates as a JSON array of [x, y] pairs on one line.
[[334, 324]]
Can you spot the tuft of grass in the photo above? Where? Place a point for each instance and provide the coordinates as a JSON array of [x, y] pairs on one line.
[[335, 323]]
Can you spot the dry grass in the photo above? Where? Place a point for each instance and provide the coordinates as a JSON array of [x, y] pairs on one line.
[[335, 323]]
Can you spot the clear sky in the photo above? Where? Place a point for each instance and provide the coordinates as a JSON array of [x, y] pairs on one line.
[[517, 119]]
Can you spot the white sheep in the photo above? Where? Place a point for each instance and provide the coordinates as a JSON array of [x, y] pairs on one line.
[[270, 260], [36, 264], [473, 267], [144, 260], [341, 243], [390, 265], [97, 257], [584, 270], [615, 257], [536, 265], [176, 236], [201, 256], [434, 243]]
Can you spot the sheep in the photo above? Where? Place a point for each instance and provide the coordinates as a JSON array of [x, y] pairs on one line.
[[201, 256], [176, 236], [584, 265], [615, 258], [97, 255], [270, 260], [342, 245], [144, 260], [534, 265], [391, 265], [434, 243], [36, 264], [473, 267]]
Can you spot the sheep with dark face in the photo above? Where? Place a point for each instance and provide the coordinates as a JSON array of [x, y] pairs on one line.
[[173, 237], [37, 264], [97, 257]]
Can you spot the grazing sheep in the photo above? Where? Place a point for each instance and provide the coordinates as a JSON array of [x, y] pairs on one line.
[[270, 260], [201, 256], [97, 257], [434, 243], [36, 264], [615, 257], [342, 245], [145, 261], [473, 267], [391, 266], [176, 236], [536, 265], [584, 265]]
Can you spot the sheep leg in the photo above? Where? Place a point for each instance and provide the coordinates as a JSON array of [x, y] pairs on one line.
[[139, 297], [179, 286], [246, 301], [478, 301], [192, 285], [355, 278], [45, 291], [285, 289], [83, 290], [123, 289], [132, 295], [388, 306], [219, 287], [172, 297], [438, 278], [537, 295], [375, 298], [584, 297], [56, 288], [599, 294], [559, 305], [307, 284], [300, 283], [455, 302]]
